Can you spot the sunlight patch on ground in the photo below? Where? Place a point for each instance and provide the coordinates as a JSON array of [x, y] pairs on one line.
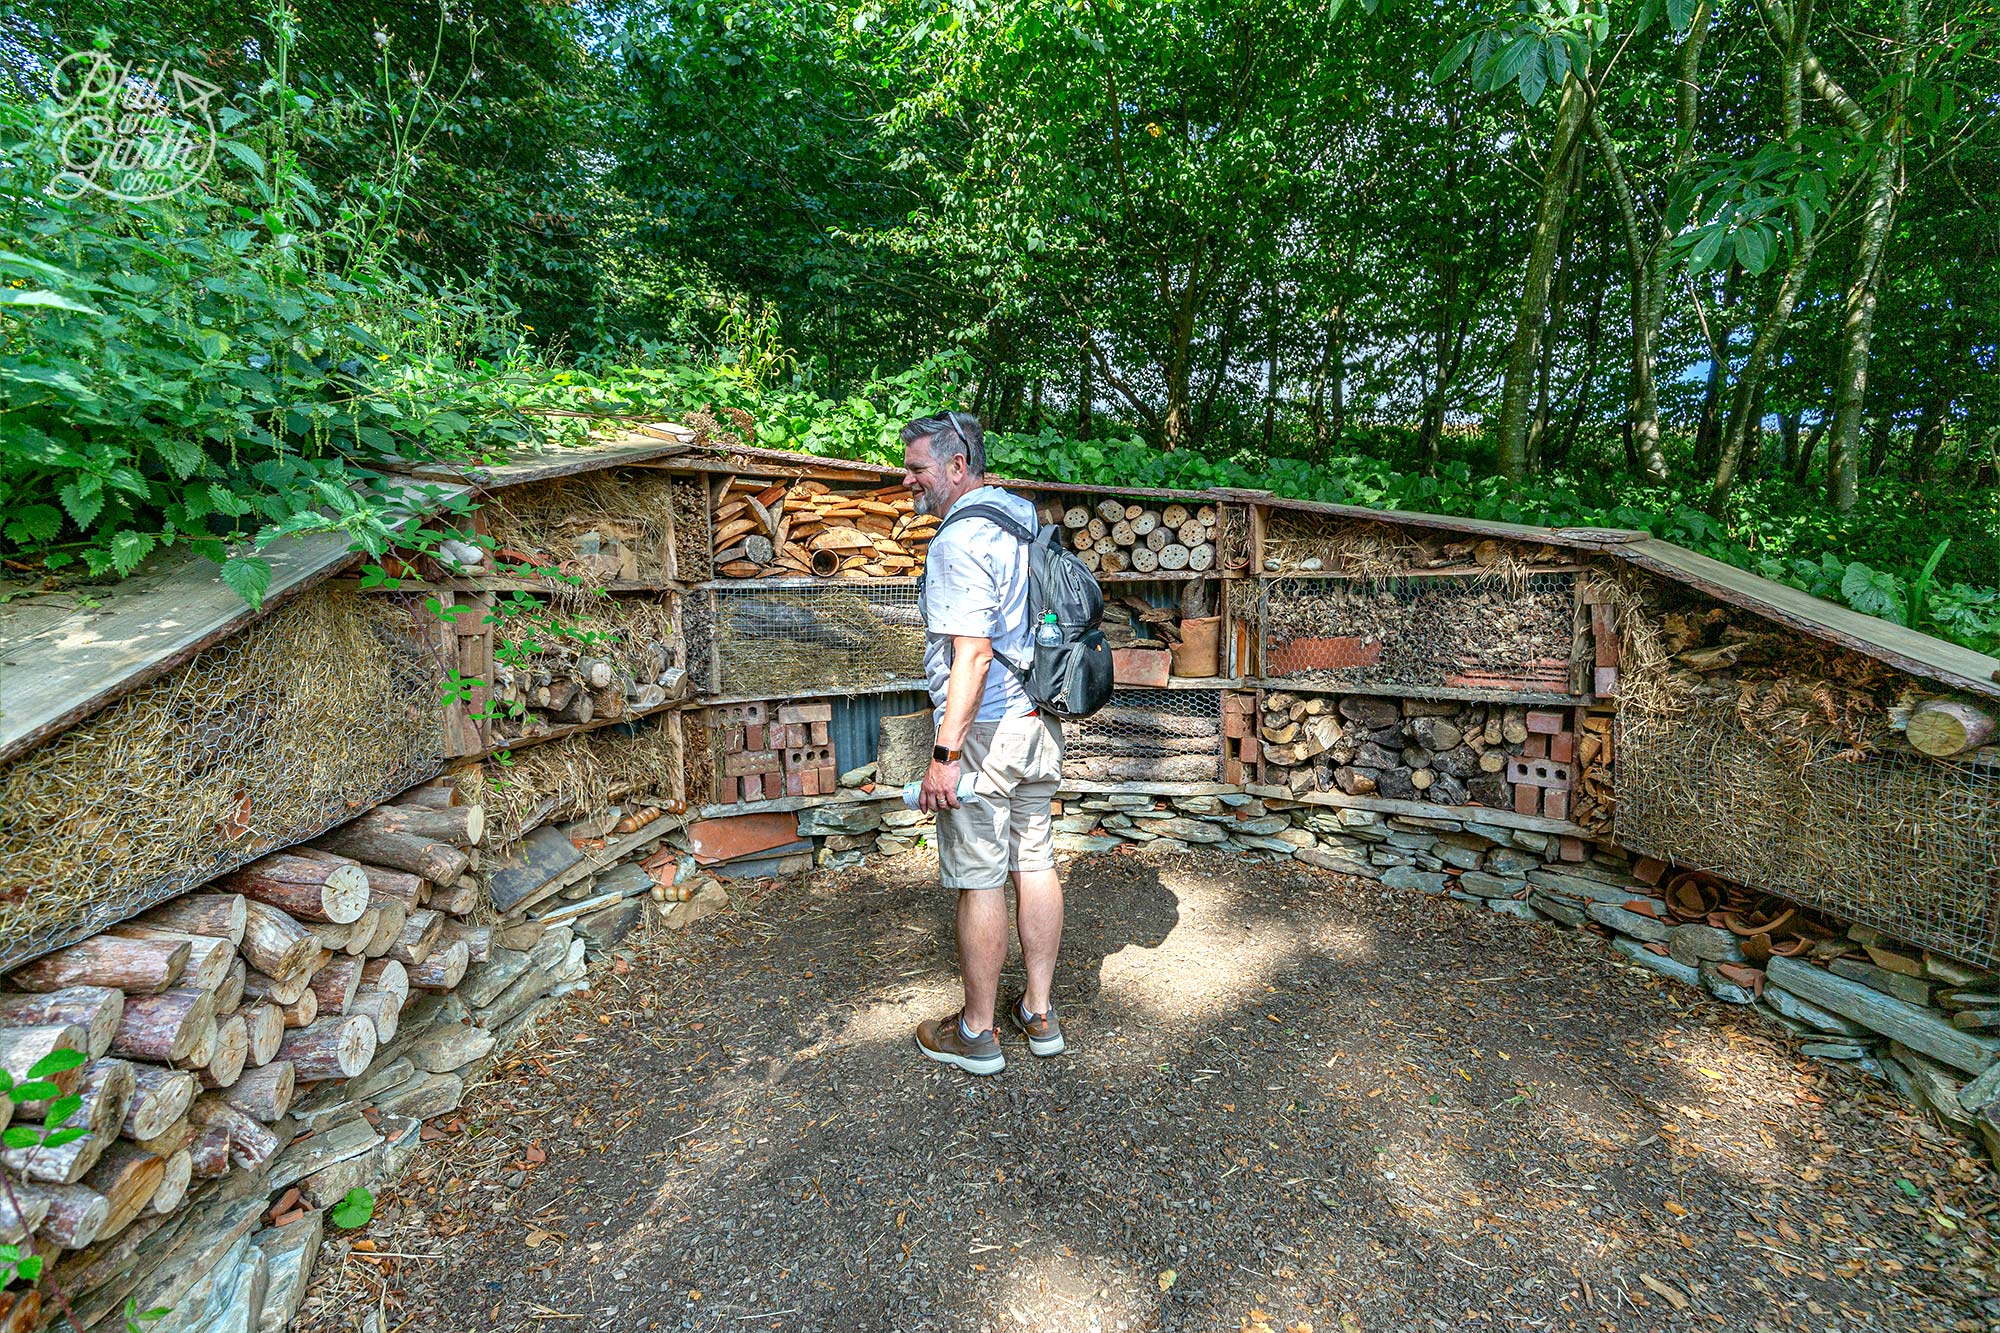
[[1052, 1288]]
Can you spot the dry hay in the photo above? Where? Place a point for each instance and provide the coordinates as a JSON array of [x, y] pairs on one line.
[[1421, 631], [1778, 767], [818, 639], [540, 523], [310, 715], [572, 777], [1896, 841]]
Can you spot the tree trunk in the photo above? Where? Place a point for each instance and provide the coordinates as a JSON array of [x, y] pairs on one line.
[[265, 1093], [1878, 438], [383, 882], [1752, 374], [278, 946], [1858, 323], [1270, 374], [386, 974], [232, 1052], [1788, 436], [1084, 391], [175, 1177], [1802, 465], [1512, 432], [309, 889]]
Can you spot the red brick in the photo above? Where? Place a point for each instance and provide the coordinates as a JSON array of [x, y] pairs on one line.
[[1562, 746], [1571, 848], [732, 740], [751, 761], [754, 735], [1546, 721], [820, 712], [829, 780], [1649, 870], [1555, 803], [753, 787], [1535, 747], [817, 733], [1527, 800], [808, 782], [795, 783], [1604, 682]]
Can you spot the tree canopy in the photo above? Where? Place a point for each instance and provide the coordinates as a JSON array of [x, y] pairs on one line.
[[1729, 268]]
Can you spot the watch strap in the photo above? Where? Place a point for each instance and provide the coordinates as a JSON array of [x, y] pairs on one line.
[[944, 756]]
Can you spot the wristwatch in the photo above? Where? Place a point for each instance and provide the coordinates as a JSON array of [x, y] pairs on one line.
[[943, 756]]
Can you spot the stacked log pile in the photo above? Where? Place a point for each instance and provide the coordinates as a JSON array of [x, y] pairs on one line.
[[1112, 536], [806, 529], [235, 1036], [568, 686], [1445, 752]]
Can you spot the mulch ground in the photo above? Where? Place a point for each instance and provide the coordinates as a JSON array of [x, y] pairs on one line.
[[1292, 1101]]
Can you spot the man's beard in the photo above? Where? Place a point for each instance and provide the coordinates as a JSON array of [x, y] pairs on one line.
[[926, 503]]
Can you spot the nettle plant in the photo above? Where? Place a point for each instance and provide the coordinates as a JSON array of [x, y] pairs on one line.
[[236, 363]]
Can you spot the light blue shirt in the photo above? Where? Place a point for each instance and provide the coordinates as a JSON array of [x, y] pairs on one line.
[[976, 584]]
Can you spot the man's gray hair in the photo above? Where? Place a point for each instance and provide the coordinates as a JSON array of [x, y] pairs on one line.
[[952, 435]]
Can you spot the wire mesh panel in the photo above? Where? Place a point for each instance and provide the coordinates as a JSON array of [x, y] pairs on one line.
[[1147, 736], [1465, 634], [1908, 845], [813, 636], [274, 735]]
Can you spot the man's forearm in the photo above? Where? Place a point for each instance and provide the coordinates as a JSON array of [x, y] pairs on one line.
[[971, 659]]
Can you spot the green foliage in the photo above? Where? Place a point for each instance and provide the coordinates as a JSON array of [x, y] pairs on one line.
[[354, 1210], [228, 365]]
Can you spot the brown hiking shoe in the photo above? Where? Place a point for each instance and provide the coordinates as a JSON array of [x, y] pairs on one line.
[[1043, 1031], [944, 1040]]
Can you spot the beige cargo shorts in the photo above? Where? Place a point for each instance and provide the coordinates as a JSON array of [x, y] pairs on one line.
[[1005, 825]]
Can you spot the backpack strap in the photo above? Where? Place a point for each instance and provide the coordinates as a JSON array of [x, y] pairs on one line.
[[1014, 528], [999, 517]]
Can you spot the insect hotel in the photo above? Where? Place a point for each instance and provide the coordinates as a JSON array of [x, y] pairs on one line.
[[291, 879]]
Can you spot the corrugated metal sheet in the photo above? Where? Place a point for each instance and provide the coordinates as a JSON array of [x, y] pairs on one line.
[[856, 723]]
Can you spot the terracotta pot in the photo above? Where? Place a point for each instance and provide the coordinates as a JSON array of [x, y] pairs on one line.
[[1198, 653], [1139, 666]]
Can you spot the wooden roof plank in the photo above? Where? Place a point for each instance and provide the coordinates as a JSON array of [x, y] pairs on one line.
[[64, 656], [566, 461]]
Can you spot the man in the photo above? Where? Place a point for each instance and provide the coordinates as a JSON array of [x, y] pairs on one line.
[[975, 607]]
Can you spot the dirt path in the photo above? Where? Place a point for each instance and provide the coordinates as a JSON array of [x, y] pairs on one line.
[[1292, 1100]]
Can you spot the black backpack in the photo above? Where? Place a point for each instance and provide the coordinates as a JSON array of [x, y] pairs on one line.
[[1072, 678]]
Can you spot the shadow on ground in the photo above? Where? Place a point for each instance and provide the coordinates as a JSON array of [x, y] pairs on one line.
[[1292, 1100]]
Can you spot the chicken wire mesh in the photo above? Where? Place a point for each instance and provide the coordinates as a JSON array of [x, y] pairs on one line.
[[815, 636], [274, 735], [1475, 637], [1895, 841], [1147, 736]]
